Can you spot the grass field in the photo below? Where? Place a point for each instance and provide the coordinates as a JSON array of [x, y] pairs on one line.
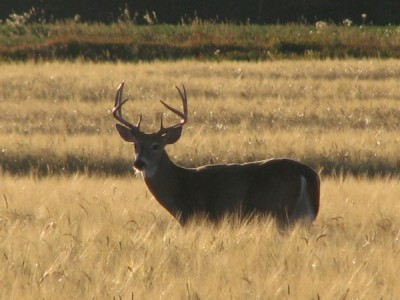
[[82, 237], [75, 223], [335, 115]]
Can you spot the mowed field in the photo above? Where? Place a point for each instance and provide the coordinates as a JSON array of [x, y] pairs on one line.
[[76, 223]]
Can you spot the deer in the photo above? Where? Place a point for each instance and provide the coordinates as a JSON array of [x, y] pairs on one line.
[[285, 189]]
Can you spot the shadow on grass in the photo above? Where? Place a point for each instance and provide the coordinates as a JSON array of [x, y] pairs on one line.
[[70, 164]]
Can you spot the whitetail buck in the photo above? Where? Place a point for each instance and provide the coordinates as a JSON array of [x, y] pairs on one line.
[[286, 189]]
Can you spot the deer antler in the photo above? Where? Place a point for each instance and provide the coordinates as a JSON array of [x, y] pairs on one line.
[[117, 112], [184, 115]]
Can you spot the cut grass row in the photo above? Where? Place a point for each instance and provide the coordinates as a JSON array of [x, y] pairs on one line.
[[337, 116]]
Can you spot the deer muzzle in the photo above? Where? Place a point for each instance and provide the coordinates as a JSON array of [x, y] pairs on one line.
[[139, 164]]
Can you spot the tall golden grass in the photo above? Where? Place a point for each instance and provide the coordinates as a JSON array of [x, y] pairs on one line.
[[81, 238], [88, 235]]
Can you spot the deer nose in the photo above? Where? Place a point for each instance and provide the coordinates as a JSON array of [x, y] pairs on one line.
[[139, 164]]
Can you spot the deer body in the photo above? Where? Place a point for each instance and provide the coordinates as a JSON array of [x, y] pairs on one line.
[[286, 189], [246, 189]]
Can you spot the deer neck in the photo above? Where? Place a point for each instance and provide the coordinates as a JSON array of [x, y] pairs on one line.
[[165, 186]]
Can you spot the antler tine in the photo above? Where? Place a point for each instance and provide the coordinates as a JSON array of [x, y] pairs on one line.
[[184, 114], [184, 101], [117, 109], [161, 122]]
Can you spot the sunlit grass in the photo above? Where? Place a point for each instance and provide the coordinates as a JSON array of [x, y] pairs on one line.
[[80, 237], [334, 115], [80, 234]]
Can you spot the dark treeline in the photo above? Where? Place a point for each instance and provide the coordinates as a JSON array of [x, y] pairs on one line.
[[375, 12]]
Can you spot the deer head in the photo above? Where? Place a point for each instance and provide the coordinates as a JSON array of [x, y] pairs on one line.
[[149, 147]]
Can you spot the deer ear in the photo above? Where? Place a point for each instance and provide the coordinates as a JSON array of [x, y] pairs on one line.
[[125, 133], [172, 135]]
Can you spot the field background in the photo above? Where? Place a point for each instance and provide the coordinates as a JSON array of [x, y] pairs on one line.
[[76, 222]]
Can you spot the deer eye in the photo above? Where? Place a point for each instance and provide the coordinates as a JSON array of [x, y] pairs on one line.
[[155, 147]]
